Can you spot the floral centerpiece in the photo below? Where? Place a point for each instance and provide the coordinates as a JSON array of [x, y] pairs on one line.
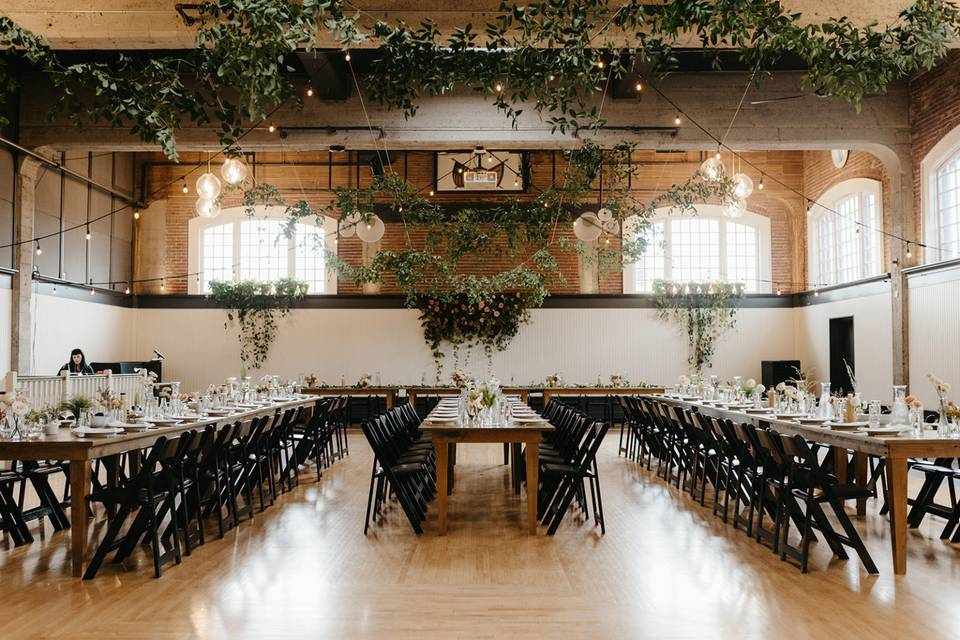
[[108, 400], [364, 381], [310, 379], [942, 389], [474, 401], [618, 380], [751, 389], [15, 408], [461, 379], [553, 380]]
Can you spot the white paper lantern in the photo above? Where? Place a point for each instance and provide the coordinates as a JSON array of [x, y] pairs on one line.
[[207, 208], [348, 224], [371, 229], [712, 168], [605, 214], [611, 226], [735, 209], [234, 171], [208, 186], [742, 185], [587, 227]]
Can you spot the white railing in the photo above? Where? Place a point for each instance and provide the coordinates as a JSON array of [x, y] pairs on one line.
[[52, 390]]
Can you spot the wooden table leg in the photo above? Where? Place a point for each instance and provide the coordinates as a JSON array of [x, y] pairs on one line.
[[451, 465], [515, 467], [860, 466], [840, 464], [79, 485], [533, 466], [389, 400], [897, 471], [441, 449]]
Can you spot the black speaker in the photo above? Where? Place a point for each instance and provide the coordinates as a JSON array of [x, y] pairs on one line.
[[776, 371]]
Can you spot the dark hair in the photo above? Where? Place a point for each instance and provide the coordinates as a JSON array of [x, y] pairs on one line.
[[83, 359]]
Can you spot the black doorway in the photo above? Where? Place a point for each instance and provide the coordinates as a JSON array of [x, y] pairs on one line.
[[841, 354]]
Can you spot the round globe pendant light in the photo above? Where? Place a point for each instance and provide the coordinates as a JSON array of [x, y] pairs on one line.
[[735, 209], [742, 185], [611, 227], [712, 168], [208, 186], [207, 208], [371, 229], [234, 171], [605, 214], [587, 227]]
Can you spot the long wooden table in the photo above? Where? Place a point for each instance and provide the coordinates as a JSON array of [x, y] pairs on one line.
[[896, 451], [81, 452], [549, 392], [390, 393], [446, 435]]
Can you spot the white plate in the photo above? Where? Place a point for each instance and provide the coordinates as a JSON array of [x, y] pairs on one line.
[[759, 411], [848, 426], [443, 418], [217, 413], [136, 426], [813, 421], [164, 421], [789, 416], [883, 431], [530, 419], [96, 432]]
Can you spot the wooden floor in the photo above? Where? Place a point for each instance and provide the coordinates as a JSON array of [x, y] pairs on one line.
[[665, 569]]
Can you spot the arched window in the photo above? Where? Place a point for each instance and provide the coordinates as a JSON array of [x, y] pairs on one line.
[[704, 247], [940, 197], [843, 243], [235, 246]]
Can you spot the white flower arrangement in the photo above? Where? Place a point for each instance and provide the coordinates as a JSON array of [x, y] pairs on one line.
[[14, 407], [553, 380], [147, 380], [685, 381], [617, 380], [942, 388], [364, 380], [461, 379]]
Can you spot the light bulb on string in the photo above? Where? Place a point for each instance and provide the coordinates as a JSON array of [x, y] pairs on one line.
[[163, 284], [550, 78], [234, 171], [638, 87], [136, 214], [498, 87], [309, 91], [599, 64], [431, 192], [92, 290], [676, 119], [816, 293], [346, 56], [271, 127], [778, 291], [208, 186], [127, 290], [760, 186], [39, 250], [185, 188], [54, 289], [88, 232], [909, 253], [207, 208]]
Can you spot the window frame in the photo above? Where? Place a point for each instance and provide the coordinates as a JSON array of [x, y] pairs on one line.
[[817, 214], [235, 215], [665, 215], [940, 154]]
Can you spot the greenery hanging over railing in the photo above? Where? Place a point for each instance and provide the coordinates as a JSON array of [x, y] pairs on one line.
[[704, 311], [256, 306], [555, 54]]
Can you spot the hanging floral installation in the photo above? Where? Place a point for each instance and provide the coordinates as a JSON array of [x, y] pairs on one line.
[[703, 311], [553, 54]]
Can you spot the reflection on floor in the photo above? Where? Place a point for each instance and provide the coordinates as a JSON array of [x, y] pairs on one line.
[[665, 569]]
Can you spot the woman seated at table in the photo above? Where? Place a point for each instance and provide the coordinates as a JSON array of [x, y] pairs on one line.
[[77, 364]]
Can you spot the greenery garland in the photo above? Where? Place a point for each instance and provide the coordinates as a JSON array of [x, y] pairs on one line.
[[556, 54], [703, 310], [255, 306]]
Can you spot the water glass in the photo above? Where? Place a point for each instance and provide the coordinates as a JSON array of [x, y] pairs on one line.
[[873, 413]]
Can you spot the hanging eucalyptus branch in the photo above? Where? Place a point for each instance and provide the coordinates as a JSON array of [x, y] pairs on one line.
[[704, 311], [255, 307]]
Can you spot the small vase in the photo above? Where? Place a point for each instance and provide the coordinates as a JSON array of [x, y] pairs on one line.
[[944, 428]]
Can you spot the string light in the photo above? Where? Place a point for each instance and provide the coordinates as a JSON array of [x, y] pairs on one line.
[[346, 56], [163, 284], [127, 291], [599, 64], [816, 293], [676, 119], [271, 128], [185, 189], [309, 91], [88, 232], [39, 250], [909, 253], [550, 77], [136, 214], [778, 291], [93, 291], [54, 289], [431, 192], [639, 87], [760, 186], [498, 87]]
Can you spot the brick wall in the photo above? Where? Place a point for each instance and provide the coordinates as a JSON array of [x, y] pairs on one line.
[[820, 174], [315, 178], [934, 112]]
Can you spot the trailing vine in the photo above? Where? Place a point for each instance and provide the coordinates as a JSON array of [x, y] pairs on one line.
[[704, 311], [256, 306], [554, 54]]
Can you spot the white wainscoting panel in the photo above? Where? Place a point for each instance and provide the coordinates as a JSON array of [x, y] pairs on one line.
[[934, 337]]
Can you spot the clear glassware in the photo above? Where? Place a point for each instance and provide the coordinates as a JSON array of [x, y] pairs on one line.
[[899, 413], [825, 407], [916, 422], [873, 413]]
